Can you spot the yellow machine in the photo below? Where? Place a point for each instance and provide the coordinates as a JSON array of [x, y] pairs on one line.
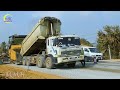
[[15, 46], [12, 51]]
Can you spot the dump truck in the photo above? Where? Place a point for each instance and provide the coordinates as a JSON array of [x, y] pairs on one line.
[[45, 46], [14, 46]]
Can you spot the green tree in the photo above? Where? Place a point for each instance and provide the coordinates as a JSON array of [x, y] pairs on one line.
[[85, 42], [110, 35], [3, 47]]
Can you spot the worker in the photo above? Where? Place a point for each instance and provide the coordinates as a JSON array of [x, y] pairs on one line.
[[95, 60]]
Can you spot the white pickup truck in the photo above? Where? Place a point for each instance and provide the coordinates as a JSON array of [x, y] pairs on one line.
[[91, 52]]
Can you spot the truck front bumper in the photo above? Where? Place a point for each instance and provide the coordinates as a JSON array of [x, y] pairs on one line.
[[97, 58], [68, 59]]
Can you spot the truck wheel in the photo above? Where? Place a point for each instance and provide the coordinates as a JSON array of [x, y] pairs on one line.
[[49, 63], [83, 63], [40, 62], [71, 65]]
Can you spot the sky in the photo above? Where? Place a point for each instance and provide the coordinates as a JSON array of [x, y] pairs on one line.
[[85, 24]]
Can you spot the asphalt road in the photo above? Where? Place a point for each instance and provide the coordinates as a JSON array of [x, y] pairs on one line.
[[102, 70]]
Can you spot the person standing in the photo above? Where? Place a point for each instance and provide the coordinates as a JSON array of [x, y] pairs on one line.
[[95, 60]]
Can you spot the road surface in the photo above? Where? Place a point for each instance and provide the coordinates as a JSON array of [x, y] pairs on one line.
[[102, 70]]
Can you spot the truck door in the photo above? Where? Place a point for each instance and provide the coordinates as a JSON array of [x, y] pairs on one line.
[[86, 52], [47, 47], [51, 49]]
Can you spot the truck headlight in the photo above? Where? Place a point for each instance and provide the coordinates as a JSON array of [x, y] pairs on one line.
[[59, 55]]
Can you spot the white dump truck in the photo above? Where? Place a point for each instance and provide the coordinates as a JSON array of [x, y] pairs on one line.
[[46, 47]]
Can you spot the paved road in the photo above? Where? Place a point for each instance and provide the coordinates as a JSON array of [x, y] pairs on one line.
[[102, 70]]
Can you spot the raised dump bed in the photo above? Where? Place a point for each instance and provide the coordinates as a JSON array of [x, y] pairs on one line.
[[34, 42]]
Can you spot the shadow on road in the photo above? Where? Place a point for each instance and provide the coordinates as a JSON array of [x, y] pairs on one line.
[[65, 67], [78, 66]]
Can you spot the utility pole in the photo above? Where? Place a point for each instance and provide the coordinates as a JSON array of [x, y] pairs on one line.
[[109, 51]]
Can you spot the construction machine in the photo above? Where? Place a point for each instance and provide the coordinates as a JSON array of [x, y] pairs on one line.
[[14, 46]]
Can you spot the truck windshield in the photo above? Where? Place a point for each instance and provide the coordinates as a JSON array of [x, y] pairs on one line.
[[15, 40], [94, 50], [68, 41]]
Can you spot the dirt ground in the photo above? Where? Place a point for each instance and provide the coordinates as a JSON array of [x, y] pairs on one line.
[[10, 72]]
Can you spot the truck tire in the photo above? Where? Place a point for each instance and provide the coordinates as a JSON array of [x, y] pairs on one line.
[[71, 65], [83, 63], [49, 63], [40, 62]]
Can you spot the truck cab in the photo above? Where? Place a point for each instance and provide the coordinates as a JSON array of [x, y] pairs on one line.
[[92, 52], [61, 50], [64, 48]]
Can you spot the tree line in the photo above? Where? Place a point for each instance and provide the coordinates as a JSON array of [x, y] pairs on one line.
[[109, 37]]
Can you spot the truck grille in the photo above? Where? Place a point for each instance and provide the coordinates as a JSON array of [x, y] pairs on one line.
[[98, 55], [71, 53]]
